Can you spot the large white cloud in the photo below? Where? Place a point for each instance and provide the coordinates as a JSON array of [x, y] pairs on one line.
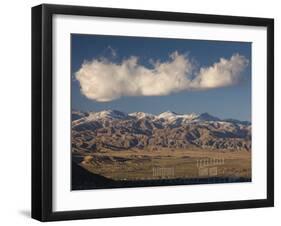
[[223, 73], [102, 80]]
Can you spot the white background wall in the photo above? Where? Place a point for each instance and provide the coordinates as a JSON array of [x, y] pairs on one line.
[[15, 114]]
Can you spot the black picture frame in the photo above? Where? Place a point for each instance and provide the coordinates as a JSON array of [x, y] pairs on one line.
[[42, 107]]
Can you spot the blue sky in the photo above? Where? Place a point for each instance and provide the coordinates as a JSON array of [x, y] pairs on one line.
[[232, 101]]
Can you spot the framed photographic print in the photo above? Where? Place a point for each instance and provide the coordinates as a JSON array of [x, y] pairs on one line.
[[146, 112]]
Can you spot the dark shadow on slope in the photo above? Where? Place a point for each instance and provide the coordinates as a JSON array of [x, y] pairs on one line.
[[83, 179]]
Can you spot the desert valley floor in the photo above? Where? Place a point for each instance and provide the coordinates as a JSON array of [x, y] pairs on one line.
[[145, 168]]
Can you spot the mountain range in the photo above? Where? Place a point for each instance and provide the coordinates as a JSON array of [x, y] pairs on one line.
[[116, 130]]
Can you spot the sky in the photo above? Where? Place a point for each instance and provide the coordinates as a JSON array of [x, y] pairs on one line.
[[154, 75]]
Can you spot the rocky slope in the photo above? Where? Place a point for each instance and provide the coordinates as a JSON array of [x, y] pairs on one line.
[[115, 130]]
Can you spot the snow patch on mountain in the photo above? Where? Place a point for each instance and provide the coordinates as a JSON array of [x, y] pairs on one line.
[[107, 114], [140, 115]]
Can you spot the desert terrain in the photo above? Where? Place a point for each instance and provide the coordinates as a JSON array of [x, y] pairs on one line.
[[142, 149]]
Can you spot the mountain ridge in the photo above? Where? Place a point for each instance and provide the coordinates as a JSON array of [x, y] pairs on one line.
[[116, 130], [166, 114]]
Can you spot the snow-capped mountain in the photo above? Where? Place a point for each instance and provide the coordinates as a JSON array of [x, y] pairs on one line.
[[118, 130], [167, 116], [107, 114], [140, 115]]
